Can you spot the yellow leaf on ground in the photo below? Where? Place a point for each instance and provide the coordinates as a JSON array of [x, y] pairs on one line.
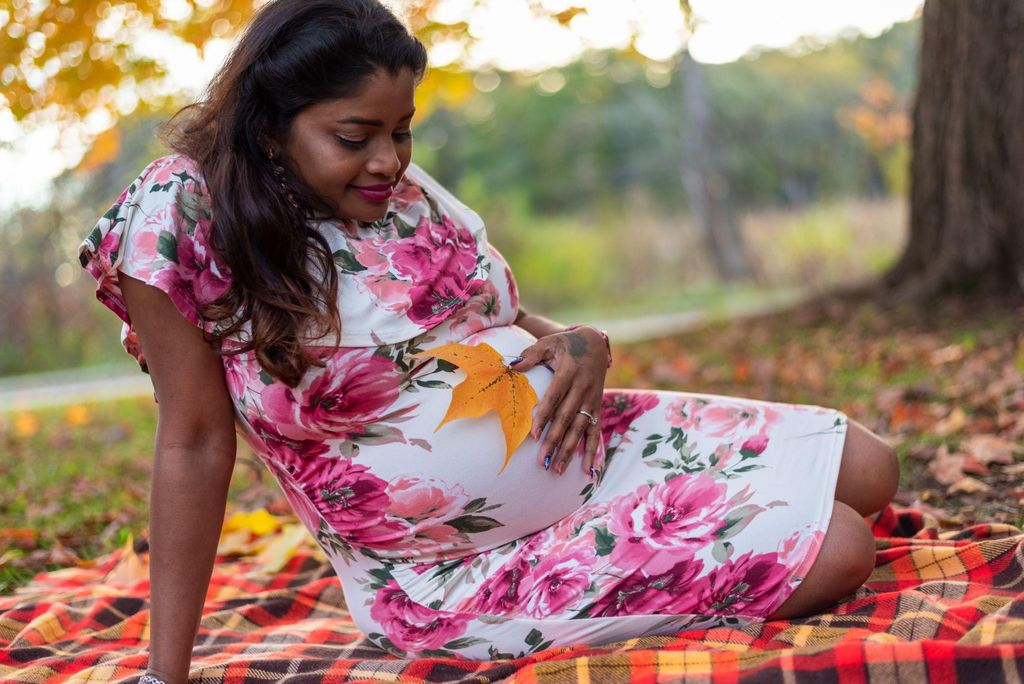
[[259, 522], [968, 485], [130, 567], [281, 548], [490, 385]]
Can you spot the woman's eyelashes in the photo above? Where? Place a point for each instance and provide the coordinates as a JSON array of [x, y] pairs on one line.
[[353, 144]]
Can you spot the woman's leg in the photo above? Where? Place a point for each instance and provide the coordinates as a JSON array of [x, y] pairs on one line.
[[869, 473], [844, 562], [868, 477]]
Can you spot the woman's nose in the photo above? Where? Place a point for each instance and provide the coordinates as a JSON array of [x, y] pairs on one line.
[[385, 161]]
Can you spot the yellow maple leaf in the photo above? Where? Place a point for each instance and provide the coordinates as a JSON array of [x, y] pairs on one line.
[[489, 385]]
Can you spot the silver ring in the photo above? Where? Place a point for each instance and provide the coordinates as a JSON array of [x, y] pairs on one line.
[[592, 419]]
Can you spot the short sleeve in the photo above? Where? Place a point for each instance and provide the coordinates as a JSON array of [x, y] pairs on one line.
[[158, 232]]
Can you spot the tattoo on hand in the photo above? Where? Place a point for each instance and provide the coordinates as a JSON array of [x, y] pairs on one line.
[[577, 346]]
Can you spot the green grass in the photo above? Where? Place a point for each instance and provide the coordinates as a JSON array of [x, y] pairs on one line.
[[77, 477]]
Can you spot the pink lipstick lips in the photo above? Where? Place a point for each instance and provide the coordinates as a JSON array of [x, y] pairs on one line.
[[374, 193]]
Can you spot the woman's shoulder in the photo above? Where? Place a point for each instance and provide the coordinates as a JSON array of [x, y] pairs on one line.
[[169, 172], [420, 188]]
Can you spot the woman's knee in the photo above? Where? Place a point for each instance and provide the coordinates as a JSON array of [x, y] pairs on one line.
[[844, 563], [869, 474]]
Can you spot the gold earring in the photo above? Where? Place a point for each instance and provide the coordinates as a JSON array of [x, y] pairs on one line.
[[277, 168]]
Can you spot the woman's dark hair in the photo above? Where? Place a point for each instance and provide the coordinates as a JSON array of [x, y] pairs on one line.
[[293, 54]]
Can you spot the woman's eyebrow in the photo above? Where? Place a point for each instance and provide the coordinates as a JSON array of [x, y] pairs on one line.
[[371, 122]]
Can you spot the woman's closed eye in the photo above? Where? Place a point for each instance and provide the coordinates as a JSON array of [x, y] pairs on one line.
[[351, 143], [358, 144]]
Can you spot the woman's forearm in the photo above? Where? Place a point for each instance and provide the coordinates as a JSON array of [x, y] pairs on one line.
[[186, 514], [536, 325]]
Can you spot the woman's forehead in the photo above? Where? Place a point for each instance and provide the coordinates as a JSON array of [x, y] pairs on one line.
[[384, 98]]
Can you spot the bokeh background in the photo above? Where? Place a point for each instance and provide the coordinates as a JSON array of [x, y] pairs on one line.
[[629, 157]]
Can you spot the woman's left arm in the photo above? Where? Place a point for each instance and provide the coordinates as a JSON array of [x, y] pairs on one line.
[[579, 359]]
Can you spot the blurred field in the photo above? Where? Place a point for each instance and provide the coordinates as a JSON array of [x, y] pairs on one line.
[[656, 264]]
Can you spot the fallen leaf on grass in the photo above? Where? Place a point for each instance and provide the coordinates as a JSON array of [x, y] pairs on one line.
[[968, 485], [953, 352], [908, 416], [973, 466], [947, 468], [489, 385], [130, 567], [954, 422], [989, 449], [22, 537]]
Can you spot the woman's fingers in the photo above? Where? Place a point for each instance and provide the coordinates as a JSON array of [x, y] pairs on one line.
[[569, 446], [561, 412], [560, 385], [529, 357], [593, 443]]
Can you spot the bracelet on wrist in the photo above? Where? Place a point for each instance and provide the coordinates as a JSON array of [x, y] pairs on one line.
[[604, 334], [150, 679]]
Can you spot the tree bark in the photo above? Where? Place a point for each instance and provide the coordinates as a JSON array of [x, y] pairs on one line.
[[706, 185], [967, 190]]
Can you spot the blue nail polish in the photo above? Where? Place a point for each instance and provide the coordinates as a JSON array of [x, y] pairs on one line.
[[516, 360], [592, 472], [547, 461]]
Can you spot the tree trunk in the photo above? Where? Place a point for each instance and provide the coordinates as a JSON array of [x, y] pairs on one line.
[[967, 190], [706, 185]]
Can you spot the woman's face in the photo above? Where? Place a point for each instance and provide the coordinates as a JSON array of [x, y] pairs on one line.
[[352, 151]]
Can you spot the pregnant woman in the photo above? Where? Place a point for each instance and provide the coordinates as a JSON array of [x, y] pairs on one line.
[[284, 276]]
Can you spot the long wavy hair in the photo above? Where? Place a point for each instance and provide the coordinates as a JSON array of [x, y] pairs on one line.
[[293, 54]]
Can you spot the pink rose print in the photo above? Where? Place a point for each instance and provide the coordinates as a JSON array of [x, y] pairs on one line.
[[236, 375], [351, 499], [145, 243], [439, 261], [620, 409], [426, 504], [369, 254], [405, 195], [660, 525], [500, 593], [291, 454], [513, 291], [377, 280], [720, 418], [479, 312], [747, 585], [198, 266], [755, 445], [558, 581], [304, 509], [799, 549], [354, 389], [642, 594], [412, 627], [571, 525]]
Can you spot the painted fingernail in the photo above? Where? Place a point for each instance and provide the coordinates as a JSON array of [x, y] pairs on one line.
[[516, 360], [547, 461], [592, 472]]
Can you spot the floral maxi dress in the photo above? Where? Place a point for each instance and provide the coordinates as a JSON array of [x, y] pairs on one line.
[[709, 510]]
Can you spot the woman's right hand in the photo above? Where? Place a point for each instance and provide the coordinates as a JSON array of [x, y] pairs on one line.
[[193, 460]]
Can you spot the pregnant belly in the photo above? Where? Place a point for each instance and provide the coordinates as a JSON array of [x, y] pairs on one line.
[[455, 496]]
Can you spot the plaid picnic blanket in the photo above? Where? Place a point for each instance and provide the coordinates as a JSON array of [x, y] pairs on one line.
[[941, 606]]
